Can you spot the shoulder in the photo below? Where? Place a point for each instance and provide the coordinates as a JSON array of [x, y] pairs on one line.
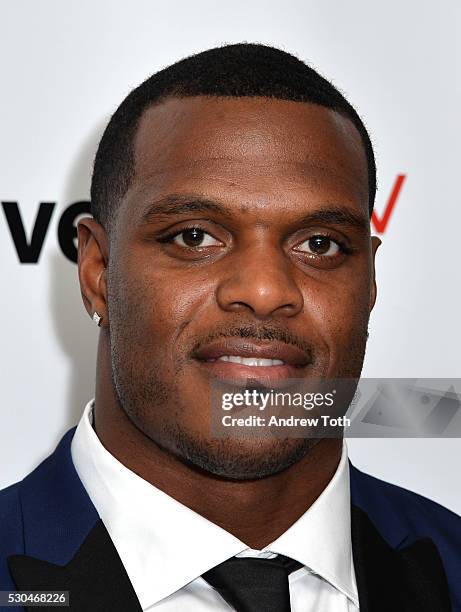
[[388, 502], [10, 513], [402, 517], [11, 531], [45, 513]]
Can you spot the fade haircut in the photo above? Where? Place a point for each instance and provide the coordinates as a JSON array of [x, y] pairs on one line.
[[240, 70]]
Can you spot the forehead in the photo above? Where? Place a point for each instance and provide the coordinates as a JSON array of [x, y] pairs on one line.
[[259, 144]]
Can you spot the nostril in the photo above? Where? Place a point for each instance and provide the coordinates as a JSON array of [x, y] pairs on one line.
[[262, 291]]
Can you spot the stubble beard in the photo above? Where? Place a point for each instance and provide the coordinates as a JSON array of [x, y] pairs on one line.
[[229, 458], [141, 392]]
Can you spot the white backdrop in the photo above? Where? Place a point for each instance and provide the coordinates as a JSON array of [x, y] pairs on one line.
[[65, 66]]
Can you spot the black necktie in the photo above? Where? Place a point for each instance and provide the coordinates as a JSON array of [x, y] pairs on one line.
[[251, 584]]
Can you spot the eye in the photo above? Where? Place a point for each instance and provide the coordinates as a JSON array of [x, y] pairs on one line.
[[323, 246], [194, 237]]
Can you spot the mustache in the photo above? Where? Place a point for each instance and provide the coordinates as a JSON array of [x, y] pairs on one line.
[[257, 332]]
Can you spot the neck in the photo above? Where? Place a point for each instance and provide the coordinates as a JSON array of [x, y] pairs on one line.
[[256, 512]]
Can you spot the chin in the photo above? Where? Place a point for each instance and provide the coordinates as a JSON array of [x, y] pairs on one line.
[[240, 459]]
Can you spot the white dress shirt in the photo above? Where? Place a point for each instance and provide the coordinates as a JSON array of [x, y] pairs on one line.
[[166, 547]]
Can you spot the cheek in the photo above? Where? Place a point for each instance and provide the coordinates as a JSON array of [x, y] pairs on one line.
[[339, 314], [163, 305]]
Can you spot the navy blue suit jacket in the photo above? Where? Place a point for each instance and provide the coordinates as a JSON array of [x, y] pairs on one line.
[[407, 549]]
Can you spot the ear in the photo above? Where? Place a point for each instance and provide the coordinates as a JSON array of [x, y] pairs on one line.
[[93, 256], [375, 243]]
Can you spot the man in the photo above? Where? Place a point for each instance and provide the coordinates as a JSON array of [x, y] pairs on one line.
[[231, 197]]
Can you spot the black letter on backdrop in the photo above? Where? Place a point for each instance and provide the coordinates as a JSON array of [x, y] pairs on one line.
[[28, 252], [67, 230]]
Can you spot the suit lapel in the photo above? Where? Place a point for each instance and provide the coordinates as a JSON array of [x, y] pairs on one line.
[[56, 510], [66, 547], [408, 580], [65, 544], [95, 576]]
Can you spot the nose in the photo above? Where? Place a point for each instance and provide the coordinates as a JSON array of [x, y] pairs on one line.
[[261, 282]]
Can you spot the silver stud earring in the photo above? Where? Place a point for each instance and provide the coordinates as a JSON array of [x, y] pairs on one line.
[[97, 318]]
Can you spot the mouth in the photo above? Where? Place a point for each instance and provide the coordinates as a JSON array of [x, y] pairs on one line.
[[239, 360]]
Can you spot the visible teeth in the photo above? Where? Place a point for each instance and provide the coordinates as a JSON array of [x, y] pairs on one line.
[[251, 361]]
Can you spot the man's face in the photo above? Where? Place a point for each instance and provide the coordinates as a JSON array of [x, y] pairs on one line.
[[244, 234]]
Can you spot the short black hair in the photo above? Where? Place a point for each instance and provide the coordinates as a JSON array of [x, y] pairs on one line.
[[239, 70]]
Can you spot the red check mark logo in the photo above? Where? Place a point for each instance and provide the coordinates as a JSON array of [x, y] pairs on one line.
[[380, 223]]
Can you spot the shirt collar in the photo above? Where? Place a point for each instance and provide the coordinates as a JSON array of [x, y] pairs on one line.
[[321, 538], [164, 545]]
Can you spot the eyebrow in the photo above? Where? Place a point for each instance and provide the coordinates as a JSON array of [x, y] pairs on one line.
[[183, 204], [337, 215]]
